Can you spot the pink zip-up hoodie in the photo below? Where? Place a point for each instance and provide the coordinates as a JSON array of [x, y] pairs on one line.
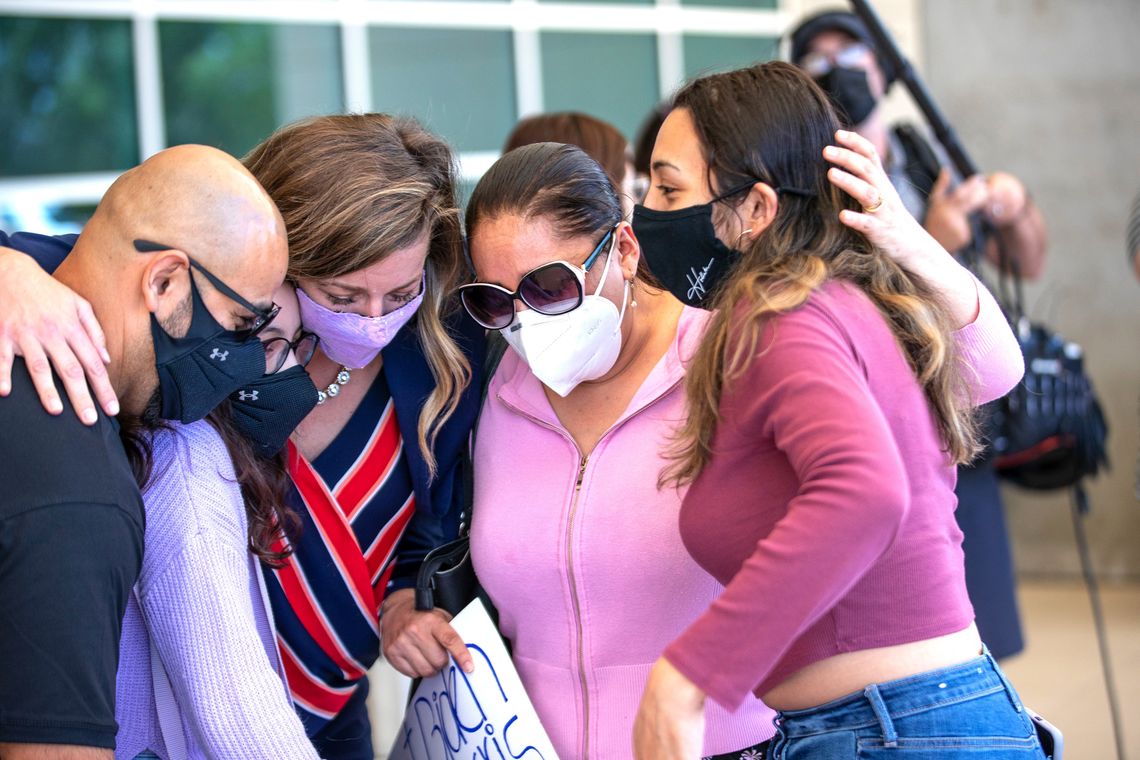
[[584, 560], [583, 557]]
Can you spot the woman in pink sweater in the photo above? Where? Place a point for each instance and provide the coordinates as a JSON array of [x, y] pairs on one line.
[[572, 538], [828, 406]]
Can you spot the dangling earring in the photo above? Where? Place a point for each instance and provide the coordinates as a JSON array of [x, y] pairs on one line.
[[742, 234], [632, 294]]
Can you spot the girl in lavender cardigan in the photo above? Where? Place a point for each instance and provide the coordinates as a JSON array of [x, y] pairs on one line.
[[199, 672]]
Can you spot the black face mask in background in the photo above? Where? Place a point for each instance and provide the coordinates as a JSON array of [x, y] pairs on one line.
[[268, 409], [849, 90], [197, 371]]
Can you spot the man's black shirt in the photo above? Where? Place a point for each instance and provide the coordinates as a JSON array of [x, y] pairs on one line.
[[71, 543]]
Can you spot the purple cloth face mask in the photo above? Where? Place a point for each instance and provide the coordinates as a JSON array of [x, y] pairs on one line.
[[351, 339]]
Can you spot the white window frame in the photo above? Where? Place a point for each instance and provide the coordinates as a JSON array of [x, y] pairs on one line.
[[669, 20]]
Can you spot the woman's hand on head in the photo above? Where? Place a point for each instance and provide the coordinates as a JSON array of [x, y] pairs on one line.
[[885, 221], [670, 722], [48, 324], [418, 643], [858, 171]]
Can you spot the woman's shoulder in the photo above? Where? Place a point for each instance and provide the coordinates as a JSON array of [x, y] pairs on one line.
[[193, 486], [836, 318], [839, 306], [830, 305], [197, 445], [691, 326], [838, 298]]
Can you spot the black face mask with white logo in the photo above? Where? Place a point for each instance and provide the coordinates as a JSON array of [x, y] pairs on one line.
[[197, 371], [682, 250], [268, 410]]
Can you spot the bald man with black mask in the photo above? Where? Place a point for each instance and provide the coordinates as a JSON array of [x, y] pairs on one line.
[[179, 263]]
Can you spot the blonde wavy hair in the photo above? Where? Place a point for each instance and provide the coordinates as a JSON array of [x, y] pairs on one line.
[[771, 122], [353, 189]]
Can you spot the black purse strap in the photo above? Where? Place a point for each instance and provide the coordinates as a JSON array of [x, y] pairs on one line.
[[496, 348], [447, 556]]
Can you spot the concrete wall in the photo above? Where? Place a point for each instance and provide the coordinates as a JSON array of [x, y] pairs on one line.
[[1050, 90]]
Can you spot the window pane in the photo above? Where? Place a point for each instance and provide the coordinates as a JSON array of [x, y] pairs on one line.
[[68, 96], [610, 76], [458, 83], [230, 85], [734, 3], [705, 54]]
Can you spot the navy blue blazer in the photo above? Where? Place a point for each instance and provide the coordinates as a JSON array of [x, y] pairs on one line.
[[439, 501]]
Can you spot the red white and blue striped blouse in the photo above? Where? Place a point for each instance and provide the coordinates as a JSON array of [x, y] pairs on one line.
[[355, 501]]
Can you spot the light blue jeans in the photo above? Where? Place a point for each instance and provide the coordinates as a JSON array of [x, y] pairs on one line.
[[968, 710]]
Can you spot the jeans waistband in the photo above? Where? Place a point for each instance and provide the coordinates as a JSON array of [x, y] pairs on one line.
[[878, 702]]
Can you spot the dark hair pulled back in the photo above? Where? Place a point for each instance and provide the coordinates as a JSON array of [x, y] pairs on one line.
[[551, 181]]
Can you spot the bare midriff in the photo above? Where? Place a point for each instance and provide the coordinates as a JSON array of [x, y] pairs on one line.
[[842, 674]]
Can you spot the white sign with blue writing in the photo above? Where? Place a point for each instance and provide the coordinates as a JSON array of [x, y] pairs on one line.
[[484, 715]]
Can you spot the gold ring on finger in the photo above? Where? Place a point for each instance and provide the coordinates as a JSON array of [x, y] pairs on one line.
[[874, 206]]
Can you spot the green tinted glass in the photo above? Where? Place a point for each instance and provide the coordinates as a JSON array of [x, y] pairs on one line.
[[459, 83], [610, 76], [705, 54], [765, 4], [68, 96], [230, 85]]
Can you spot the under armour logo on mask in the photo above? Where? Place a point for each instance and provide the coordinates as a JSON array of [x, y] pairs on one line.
[[247, 395], [219, 355]]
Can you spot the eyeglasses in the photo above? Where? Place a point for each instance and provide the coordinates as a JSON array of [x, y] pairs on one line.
[[640, 188], [551, 289], [277, 350], [818, 64], [261, 317]]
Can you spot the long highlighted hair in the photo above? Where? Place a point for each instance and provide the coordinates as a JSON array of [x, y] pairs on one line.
[[770, 122], [354, 188]]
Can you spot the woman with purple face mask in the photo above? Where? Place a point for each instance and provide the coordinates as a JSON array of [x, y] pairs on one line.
[[377, 468]]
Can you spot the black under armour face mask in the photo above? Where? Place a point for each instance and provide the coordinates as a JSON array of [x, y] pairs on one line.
[[268, 409], [197, 371]]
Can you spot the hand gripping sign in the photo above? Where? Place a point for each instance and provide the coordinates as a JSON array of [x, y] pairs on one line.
[[485, 715]]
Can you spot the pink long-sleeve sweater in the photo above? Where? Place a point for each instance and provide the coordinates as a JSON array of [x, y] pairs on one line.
[[583, 557], [827, 506]]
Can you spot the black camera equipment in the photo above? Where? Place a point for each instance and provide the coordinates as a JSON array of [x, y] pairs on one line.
[[1049, 432]]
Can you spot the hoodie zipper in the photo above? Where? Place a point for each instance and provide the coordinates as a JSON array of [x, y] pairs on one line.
[[583, 461], [578, 607]]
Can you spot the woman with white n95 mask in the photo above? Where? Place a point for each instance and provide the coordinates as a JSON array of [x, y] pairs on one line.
[[571, 537], [562, 348]]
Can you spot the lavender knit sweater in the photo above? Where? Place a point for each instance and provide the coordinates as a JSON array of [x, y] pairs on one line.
[[201, 603]]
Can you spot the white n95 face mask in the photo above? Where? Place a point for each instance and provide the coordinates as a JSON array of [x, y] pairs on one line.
[[567, 349]]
